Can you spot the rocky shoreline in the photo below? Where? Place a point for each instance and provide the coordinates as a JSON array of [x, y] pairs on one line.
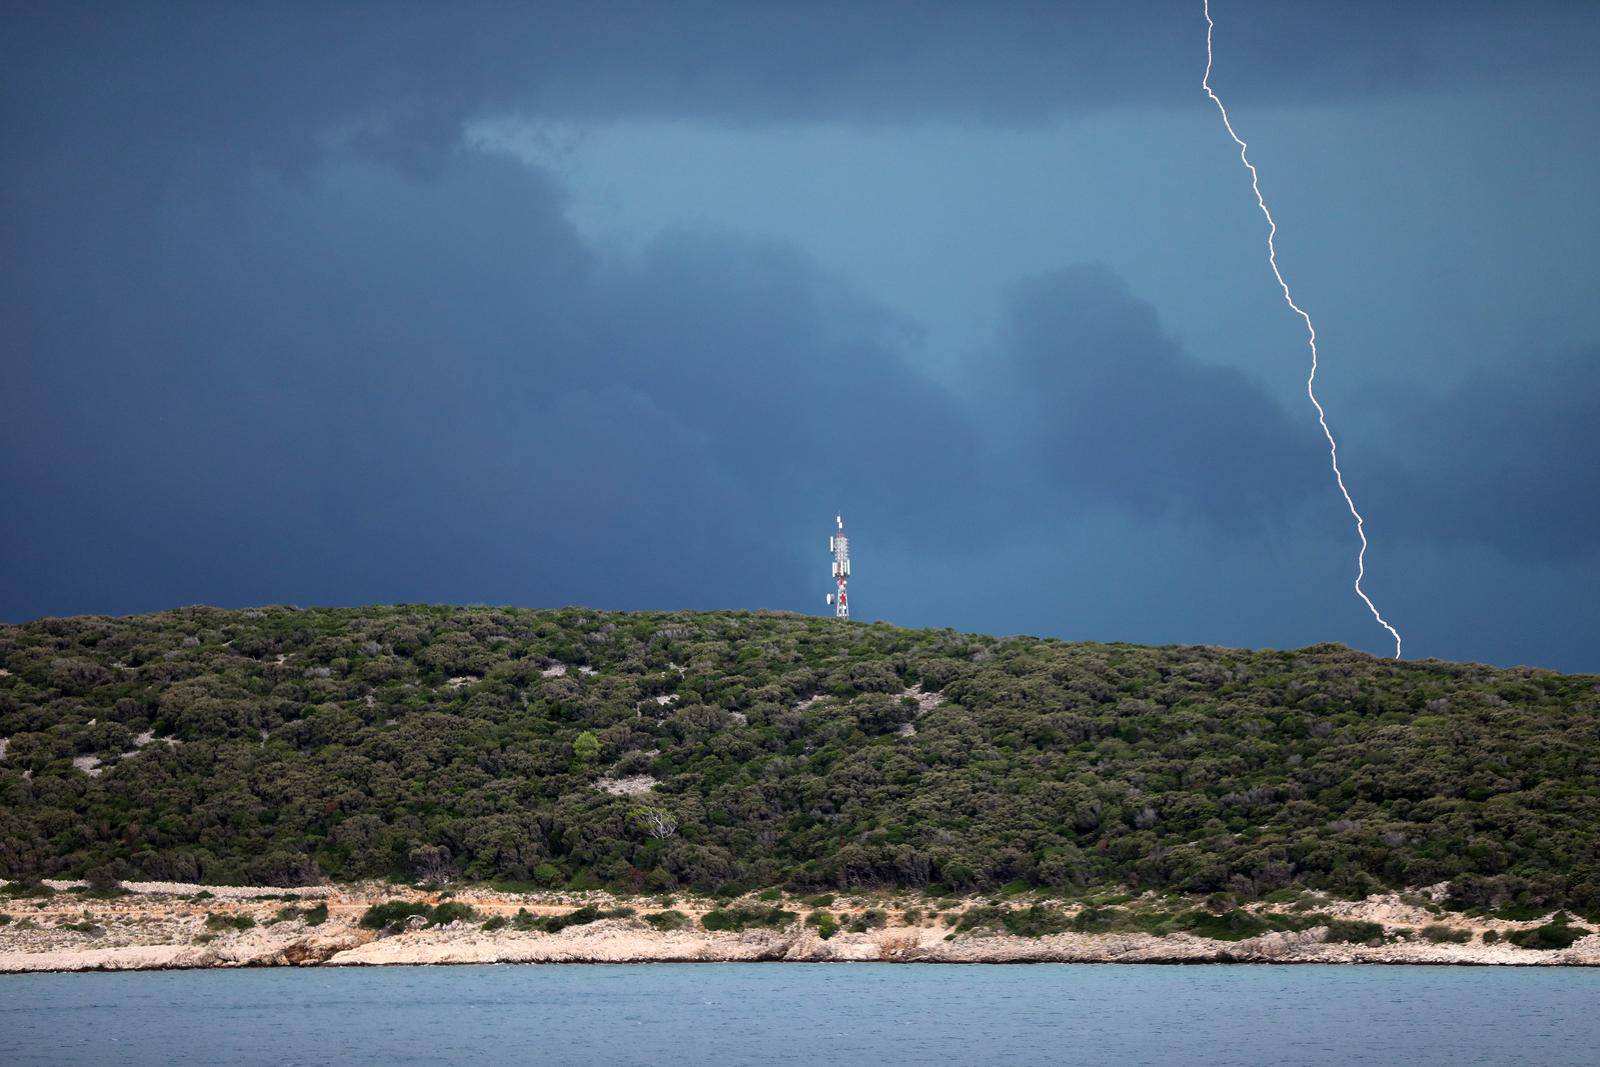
[[166, 926]]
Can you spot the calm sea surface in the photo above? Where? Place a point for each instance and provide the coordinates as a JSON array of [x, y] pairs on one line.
[[712, 1014]]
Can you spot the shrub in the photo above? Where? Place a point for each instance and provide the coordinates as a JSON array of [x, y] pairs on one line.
[[496, 923], [871, 919], [1552, 935], [1235, 924], [4, 918], [229, 922], [984, 915], [27, 887], [1438, 933], [101, 883], [318, 915], [822, 900], [770, 894], [393, 913], [1352, 931], [1037, 921], [1098, 920], [743, 918], [287, 914], [912, 916], [825, 923], [449, 912], [667, 920], [554, 924], [1491, 937]]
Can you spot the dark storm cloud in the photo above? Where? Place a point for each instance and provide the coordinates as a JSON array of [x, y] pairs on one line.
[[363, 373], [1116, 412], [271, 333], [1509, 459], [270, 84]]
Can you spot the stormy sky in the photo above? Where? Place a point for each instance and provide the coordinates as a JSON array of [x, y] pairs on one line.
[[617, 304]]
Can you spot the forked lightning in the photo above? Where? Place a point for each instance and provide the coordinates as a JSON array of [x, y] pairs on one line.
[[1311, 338]]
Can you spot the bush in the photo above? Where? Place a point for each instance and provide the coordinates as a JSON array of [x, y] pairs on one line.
[[496, 923], [1440, 934], [318, 915], [450, 912], [871, 919], [4, 918], [1491, 937], [825, 923], [1232, 925], [1552, 935], [229, 922], [287, 914], [102, 883], [744, 918], [1097, 920], [1037, 921], [393, 913], [822, 900], [667, 920], [27, 887], [554, 924], [1351, 931]]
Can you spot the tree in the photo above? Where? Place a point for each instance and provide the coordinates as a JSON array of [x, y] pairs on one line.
[[657, 822], [586, 747]]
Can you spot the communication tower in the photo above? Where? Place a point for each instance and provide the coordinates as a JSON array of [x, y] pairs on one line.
[[839, 545]]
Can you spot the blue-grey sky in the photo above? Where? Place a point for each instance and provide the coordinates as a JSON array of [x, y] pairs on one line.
[[618, 304]]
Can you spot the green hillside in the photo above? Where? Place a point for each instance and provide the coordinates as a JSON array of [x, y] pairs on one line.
[[723, 749]]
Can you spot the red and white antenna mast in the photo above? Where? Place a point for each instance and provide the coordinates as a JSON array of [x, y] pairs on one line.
[[839, 545]]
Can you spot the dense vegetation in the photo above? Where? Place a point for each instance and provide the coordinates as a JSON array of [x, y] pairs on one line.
[[289, 746]]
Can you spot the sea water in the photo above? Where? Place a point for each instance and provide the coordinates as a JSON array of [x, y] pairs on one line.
[[776, 1013]]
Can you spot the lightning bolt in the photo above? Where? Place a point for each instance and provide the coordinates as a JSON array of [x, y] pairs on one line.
[[1311, 339]]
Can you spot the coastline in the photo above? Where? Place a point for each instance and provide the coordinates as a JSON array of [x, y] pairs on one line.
[[163, 926]]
